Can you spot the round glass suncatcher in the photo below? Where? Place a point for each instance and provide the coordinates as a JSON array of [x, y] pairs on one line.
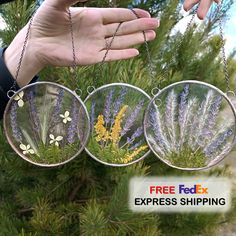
[[46, 124], [190, 125], [116, 117]]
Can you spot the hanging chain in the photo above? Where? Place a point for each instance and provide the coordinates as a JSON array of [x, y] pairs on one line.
[[226, 72], [12, 90], [150, 64], [90, 89], [74, 64], [108, 47], [164, 75]]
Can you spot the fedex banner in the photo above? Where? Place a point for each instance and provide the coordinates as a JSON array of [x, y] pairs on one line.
[[179, 194]]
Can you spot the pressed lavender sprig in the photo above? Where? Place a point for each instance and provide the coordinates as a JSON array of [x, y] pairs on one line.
[[170, 120], [218, 142], [92, 114], [136, 145], [137, 133], [107, 109], [131, 119], [187, 120], [207, 131], [72, 129], [200, 119], [155, 122], [182, 108], [118, 103], [13, 120], [57, 108], [33, 111]]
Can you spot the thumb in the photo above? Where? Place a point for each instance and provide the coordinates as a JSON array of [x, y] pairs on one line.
[[63, 3]]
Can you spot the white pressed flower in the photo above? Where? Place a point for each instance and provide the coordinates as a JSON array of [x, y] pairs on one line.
[[19, 99], [55, 140], [26, 149], [66, 117]]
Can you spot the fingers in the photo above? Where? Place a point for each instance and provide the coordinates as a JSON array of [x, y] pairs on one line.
[[188, 4], [131, 27], [63, 3], [115, 55], [116, 15], [127, 41], [204, 6]]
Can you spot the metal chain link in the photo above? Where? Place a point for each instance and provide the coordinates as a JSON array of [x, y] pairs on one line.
[[146, 46], [150, 64], [226, 72], [108, 46], [74, 64], [164, 76], [12, 90]]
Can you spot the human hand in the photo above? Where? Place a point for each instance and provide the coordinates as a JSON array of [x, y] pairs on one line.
[[204, 6], [50, 37]]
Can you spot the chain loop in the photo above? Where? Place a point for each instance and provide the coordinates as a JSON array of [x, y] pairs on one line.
[[158, 102], [230, 93], [90, 89], [11, 93], [155, 91], [78, 92]]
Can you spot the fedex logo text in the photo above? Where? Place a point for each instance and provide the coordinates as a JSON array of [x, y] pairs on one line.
[[196, 189], [182, 189]]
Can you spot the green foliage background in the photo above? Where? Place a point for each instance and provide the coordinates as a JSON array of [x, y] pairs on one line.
[[85, 197]]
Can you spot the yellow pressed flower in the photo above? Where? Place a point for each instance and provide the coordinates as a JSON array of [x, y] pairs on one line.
[[130, 157], [116, 129], [102, 133]]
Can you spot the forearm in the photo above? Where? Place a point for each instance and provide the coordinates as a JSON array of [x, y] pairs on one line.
[[31, 64]]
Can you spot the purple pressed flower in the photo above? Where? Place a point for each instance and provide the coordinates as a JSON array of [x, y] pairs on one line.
[[171, 104], [92, 115], [118, 103], [183, 103], [107, 109], [155, 122], [57, 108], [218, 142], [136, 145], [199, 121], [13, 120], [72, 129], [211, 117], [138, 132], [33, 111], [131, 119]]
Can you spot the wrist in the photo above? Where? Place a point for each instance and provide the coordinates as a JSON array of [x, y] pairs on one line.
[[31, 64]]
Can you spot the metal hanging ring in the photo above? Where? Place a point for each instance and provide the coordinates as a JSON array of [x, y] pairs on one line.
[[11, 93], [158, 102], [90, 89], [155, 91], [78, 92], [230, 93]]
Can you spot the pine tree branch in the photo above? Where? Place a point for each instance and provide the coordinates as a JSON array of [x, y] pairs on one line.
[[73, 193]]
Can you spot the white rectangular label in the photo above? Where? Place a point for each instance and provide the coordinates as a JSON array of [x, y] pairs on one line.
[[179, 194]]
